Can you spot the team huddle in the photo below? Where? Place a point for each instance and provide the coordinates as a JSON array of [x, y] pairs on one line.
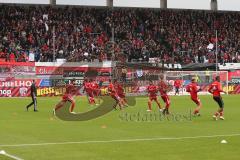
[[116, 92]]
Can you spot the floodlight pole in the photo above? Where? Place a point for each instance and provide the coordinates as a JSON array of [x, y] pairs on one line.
[[216, 51], [113, 40], [111, 7], [54, 46], [163, 4], [214, 5]]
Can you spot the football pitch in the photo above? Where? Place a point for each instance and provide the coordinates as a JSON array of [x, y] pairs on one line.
[[131, 134]]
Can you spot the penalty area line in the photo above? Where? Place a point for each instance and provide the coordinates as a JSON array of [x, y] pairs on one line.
[[119, 140]]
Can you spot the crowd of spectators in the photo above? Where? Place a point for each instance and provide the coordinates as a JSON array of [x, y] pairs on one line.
[[45, 33]]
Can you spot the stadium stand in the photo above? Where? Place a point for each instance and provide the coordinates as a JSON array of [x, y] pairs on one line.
[[85, 34]]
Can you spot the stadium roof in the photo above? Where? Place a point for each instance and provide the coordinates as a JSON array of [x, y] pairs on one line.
[[231, 5]]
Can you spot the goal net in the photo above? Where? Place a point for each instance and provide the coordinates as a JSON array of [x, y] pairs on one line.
[[203, 78]]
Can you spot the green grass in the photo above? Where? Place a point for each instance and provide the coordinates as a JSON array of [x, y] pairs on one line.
[[21, 127]]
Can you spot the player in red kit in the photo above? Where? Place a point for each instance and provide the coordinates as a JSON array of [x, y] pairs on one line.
[[89, 91], [215, 89], [152, 93], [193, 89], [120, 92], [71, 90], [96, 91], [163, 89], [113, 93], [177, 85]]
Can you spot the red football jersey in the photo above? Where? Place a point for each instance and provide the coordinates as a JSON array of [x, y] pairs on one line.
[[163, 87], [119, 89], [111, 89], [95, 86], [215, 88], [88, 87], [192, 88], [70, 88], [177, 83], [70, 91], [152, 90]]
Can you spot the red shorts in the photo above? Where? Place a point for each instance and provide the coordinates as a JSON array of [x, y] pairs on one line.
[[196, 100], [151, 98], [96, 92], [121, 95], [166, 99], [67, 97], [116, 97], [90, 94]]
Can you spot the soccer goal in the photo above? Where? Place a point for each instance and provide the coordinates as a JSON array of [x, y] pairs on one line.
[[203, 78]]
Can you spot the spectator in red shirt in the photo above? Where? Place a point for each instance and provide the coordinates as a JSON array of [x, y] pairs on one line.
[[12, 57]]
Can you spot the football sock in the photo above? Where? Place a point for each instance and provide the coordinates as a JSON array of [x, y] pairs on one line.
[[149, 106], [72, 107], [216, 114]]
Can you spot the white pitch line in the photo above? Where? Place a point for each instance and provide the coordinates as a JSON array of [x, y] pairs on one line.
[[117, 140], [9, 155]]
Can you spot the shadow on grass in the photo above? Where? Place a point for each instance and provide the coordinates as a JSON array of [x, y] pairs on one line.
[[105, 107]]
